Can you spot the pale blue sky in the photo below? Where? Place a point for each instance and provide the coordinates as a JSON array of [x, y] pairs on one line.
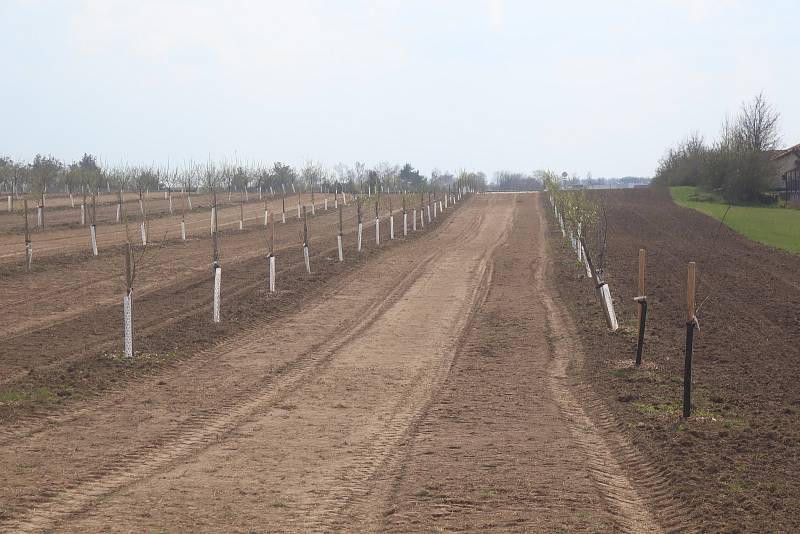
[[598, 86]]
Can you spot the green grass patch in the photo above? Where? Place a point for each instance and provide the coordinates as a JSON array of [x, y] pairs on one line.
[[772, 225], [657, 409], [15, 396], [736, 487], [140, 358], [734, 422], [669, 409]]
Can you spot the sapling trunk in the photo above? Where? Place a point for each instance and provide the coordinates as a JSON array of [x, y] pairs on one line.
[[215, 308], [271, 242], [28, 244], [340, 236], [377, 226], [305, 241], [358, 212], [691, 322]]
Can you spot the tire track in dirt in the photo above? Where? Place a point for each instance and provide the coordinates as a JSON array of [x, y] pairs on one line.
[[241, 263], [203, 431], [508, 444], [630, 510], [366, 508], [35, 422], [358, 499], [221, 420], [365, 367], [38, 420], [197, 363]]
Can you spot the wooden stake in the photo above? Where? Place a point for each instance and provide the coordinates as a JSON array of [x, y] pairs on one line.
[[641, 271]]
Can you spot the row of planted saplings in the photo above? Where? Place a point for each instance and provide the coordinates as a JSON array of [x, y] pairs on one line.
[[91, 208], [432, 209], [42, 202], [185, 197], [578, 244], [604, 294]]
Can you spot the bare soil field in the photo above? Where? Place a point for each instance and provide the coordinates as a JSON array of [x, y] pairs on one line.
[[734, 464], [433, 384], [70, 303]]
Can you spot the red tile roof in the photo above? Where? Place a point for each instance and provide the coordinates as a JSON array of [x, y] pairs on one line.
[[791, 150]]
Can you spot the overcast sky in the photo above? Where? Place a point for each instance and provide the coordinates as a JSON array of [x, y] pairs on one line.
[[598, 86]]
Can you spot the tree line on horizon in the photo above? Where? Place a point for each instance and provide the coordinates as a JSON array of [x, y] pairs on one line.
[[535, 181], [738, 164], [48, 174]]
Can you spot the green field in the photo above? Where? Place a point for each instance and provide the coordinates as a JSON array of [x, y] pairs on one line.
[[772, 226]]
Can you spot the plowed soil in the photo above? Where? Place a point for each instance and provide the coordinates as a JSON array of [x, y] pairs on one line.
[[62, 327], [434, 384], [734, 464]]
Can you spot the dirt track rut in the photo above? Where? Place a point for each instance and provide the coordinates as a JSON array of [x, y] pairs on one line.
[[313, 424], [507, 443]]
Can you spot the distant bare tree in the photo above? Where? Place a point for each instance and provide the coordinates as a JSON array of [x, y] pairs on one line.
[[387, 174], [359, 173], [311, 174], [757, 125]]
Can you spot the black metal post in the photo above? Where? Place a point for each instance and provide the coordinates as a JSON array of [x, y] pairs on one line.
[[642, 322], [687, 371]]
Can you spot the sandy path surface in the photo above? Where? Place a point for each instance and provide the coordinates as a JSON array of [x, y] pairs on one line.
[[507, 444], [430, 390]]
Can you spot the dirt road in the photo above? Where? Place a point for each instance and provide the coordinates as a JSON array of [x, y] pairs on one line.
[[434, 388]]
